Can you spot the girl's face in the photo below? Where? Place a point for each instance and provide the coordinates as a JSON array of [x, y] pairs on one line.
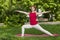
[[32, 8]]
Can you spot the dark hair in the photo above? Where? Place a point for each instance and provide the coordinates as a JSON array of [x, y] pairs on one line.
[[33, 6]]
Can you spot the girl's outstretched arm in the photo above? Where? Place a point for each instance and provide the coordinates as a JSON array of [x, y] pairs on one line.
[[46, 12], [22, 12], [41, 13]]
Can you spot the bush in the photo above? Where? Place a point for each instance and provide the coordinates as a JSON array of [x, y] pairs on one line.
[[8, 7]]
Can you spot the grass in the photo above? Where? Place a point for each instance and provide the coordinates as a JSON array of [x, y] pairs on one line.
[[8, 33]]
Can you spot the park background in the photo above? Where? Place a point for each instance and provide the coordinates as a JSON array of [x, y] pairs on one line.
[[13, 21]]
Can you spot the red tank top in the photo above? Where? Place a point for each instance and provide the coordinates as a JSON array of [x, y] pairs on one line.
[[33, 17]]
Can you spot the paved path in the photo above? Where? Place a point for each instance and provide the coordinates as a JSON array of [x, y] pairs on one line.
[[1, 24], [49, 23]]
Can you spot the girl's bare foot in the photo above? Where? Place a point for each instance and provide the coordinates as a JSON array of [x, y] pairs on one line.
[[55, 35]]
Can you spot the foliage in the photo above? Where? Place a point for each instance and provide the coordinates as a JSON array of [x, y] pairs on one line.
[[8, 7]]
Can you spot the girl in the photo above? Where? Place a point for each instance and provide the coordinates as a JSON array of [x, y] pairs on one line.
[[33, 21]]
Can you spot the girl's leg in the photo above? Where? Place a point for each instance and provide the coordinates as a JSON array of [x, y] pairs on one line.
[[43, 30], [23, 28]]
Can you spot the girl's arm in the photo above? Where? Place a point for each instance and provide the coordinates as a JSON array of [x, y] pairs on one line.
[[41, 13], [22, 12], [46, 12]]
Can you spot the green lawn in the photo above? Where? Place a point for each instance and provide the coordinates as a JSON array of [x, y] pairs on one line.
[[9, 33]]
